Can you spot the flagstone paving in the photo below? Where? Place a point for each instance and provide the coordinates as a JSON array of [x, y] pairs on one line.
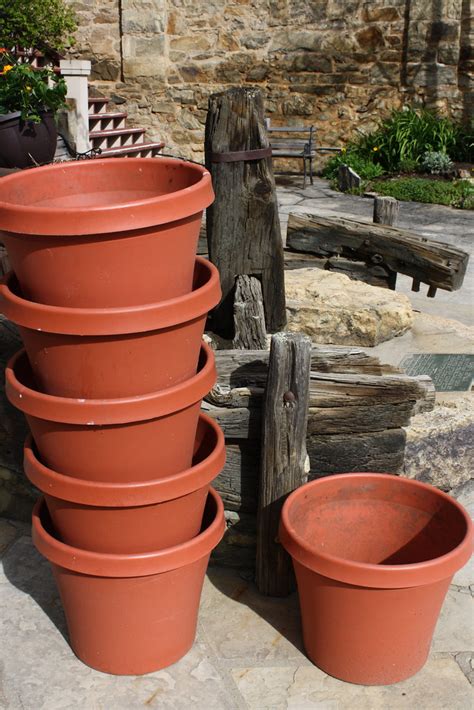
[[247, 655]]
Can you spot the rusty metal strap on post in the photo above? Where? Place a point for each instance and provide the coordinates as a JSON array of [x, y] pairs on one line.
[[241, 155]]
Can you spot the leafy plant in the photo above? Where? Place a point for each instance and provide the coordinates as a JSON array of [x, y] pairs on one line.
[[463, 151], [457, 193], [407, 135], [29, 90], [407, 165], [436, 163], [36, 24], [365, 168]]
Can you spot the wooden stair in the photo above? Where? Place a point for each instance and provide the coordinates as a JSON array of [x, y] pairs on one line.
[[109, 133]]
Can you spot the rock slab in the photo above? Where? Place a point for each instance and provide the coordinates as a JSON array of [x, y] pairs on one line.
[[332, 308], [439, 447]]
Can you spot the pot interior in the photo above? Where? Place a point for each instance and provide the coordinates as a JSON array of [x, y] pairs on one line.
[[383, 521], [101, 183]]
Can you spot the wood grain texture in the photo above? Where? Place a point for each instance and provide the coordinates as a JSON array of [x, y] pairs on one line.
[[347, 178], [249, 367], [385, 210], [337, 403], [237, 483], [379, 452], [249, 316], [243, 228], [435, 263], [283, 454]]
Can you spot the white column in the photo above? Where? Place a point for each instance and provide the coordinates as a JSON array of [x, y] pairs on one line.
[[76, 73]]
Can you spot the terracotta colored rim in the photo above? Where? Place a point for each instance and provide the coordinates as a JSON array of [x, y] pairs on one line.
[[125, 495], [113, 321], [371, 575], [141, 565], [123, 216], [108, 411]]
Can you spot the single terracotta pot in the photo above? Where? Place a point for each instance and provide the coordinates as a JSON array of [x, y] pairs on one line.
[[108, 233], [373, 555], [113, 440], [131, 614], [113, 352], [131, 517]]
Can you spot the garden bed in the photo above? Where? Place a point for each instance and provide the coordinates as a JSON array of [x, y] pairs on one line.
[[428, 189], [414, 155]]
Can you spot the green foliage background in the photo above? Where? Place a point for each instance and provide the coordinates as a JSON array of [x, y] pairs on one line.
[[47, 25]]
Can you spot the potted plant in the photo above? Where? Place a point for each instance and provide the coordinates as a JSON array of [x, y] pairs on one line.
[[29, 100], [33, 31]]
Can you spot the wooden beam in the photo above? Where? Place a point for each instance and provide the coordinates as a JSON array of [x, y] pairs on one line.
[[283, 454], [249, 367], [243, 229], [435, 263], [379, 451], [249, 316], [336, 403]]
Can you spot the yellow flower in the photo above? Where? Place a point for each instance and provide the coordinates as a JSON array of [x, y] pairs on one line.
[[344, 150], [374, 148], [28, 88], [6, 68]]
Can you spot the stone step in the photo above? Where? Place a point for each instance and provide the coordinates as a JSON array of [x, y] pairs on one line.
[[141, 150], [106, 121], [98, 105], [117, 138]]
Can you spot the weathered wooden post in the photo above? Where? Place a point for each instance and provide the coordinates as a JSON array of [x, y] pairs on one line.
[[243, 229], [284, 457], [249, 315], [386, 212]]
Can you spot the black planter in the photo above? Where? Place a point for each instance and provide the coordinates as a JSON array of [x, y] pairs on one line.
[[24, 143]]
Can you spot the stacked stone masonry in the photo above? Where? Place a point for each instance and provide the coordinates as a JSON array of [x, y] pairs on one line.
[[339, 64]]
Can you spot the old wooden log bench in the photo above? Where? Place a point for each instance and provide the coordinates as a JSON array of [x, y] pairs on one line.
[[339, 242], [357, 408]]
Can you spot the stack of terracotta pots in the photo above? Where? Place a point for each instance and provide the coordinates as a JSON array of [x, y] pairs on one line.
[[111, 304]]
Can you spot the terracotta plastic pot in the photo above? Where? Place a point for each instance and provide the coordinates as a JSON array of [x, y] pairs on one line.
[[114, 352], [373, 555], [104, 233], [131, 517], [131, 614], [113, 440]]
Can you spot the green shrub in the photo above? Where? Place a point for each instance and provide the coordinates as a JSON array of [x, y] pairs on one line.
[[463, 151], [436, 163], [407, 165], [36, 24], [407, 135], [365, 168], [459, 193]]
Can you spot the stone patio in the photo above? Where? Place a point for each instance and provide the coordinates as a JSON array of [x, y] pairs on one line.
[[247, 654], [248, 651]]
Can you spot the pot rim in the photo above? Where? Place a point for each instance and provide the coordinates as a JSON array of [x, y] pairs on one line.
[[366, 574], [98, 564], [97, 412], [113, 321], [121, 217], [128, 495], [4, 117]]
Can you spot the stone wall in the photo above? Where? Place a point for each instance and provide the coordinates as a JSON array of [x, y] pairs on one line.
[[336, 63]]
